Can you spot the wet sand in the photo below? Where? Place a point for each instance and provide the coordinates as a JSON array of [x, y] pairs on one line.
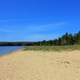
[[40, 65]]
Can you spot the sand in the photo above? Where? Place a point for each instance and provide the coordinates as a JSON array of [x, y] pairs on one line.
[[39, 65]]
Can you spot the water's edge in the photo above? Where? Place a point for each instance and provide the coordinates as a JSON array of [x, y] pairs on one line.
[[8, 49]]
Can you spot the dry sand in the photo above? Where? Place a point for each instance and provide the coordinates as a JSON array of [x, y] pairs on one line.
[[39, 65]]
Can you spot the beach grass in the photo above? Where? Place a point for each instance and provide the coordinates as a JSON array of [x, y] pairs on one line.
[[53, 48]]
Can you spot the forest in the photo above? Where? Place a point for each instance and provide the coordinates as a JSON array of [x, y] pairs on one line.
[[66, 39]]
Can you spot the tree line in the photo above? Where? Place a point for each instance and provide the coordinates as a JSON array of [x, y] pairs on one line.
[[66, 39]]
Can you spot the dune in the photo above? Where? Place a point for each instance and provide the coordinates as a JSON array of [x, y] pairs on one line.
[[40, 65]]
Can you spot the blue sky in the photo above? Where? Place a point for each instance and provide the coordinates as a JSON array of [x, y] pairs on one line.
[[34, 20]]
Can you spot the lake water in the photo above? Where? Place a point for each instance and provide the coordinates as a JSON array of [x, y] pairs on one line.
[[7, 49]]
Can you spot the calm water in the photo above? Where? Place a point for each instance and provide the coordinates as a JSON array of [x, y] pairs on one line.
[[7, 49]]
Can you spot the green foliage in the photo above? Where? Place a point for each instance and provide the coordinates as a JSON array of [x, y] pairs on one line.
[[66, 39], [53, 48]]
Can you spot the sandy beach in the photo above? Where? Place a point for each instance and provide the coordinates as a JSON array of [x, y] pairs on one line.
[[40, 65]]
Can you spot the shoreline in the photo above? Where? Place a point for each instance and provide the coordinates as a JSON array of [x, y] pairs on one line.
[[9, 53]]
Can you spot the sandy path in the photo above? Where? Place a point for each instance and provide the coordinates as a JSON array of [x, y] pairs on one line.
[[38, 65]]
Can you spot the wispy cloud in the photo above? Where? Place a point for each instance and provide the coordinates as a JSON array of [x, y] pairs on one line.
[[33, 28], [47, 31], [32, 32], [45, 27]]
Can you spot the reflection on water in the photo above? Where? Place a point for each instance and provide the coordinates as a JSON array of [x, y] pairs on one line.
[[7, 49]]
